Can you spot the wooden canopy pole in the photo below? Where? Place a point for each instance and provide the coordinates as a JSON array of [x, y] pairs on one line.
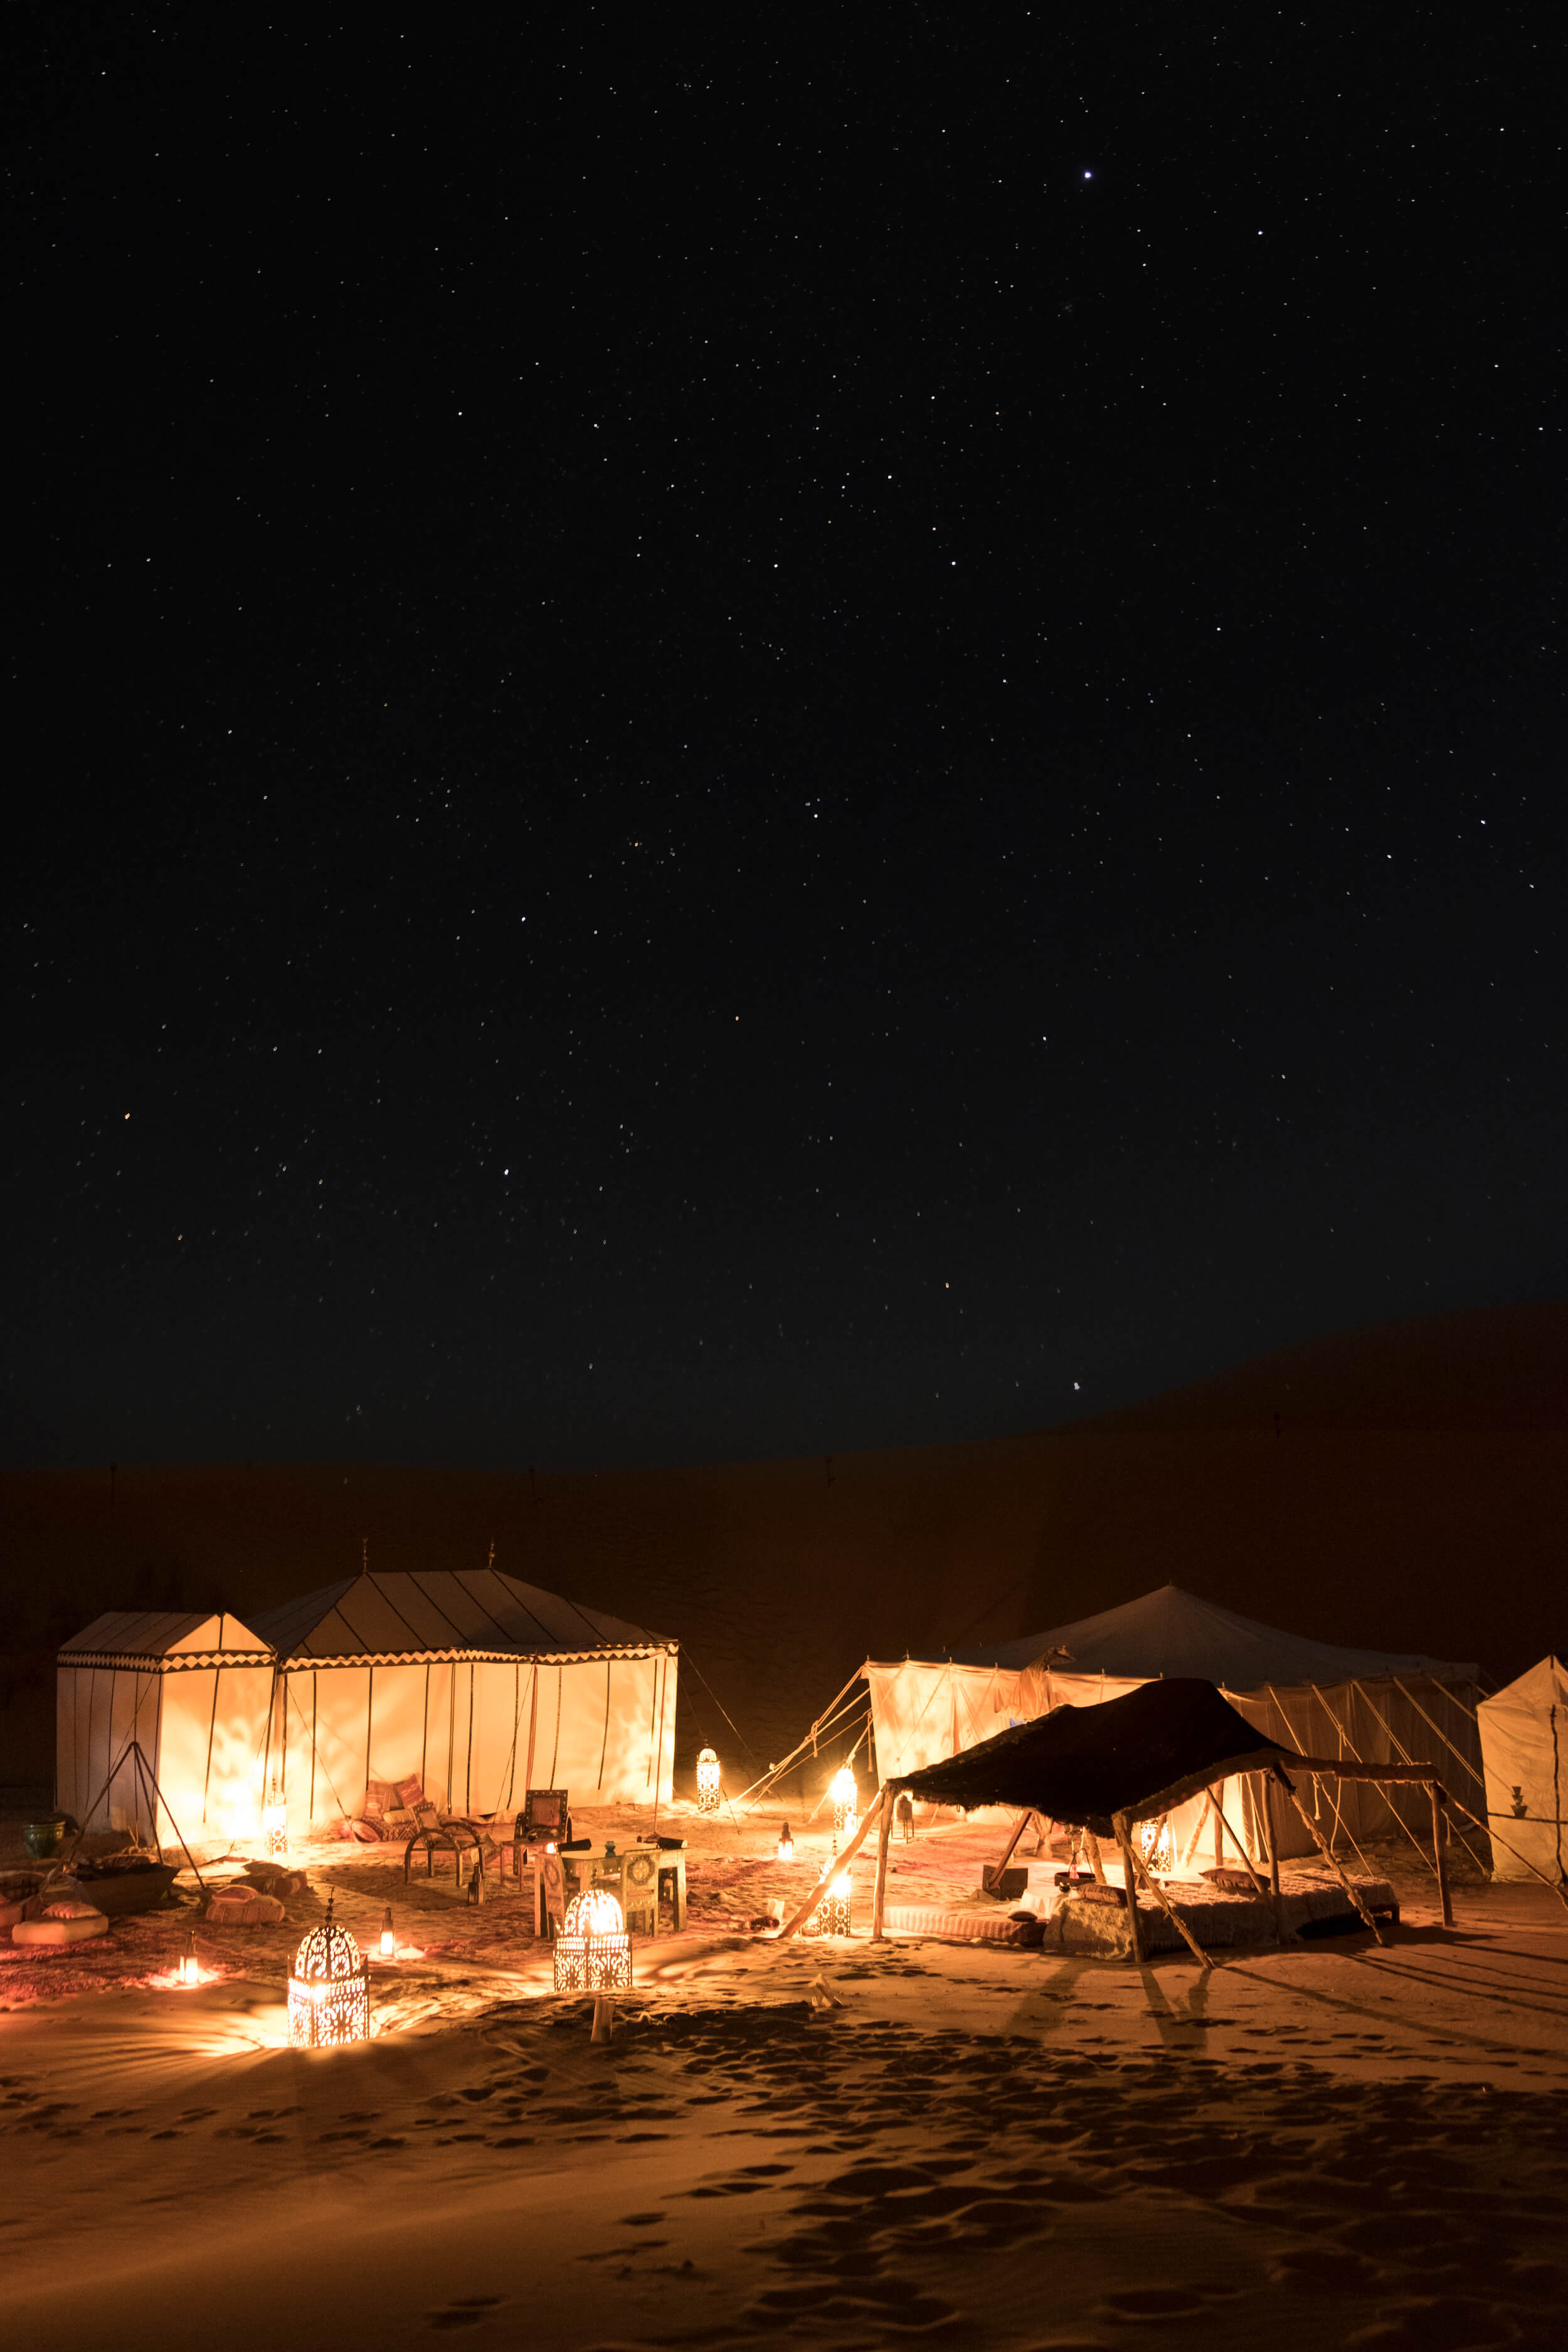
[[836, 1862], [1025, 1818], [1272, 1841], [1095, 1864], [880, 1898], [1438, 1855], [1124, 1840], [1221, 1825], [1324, 1848], [1172, 1913]]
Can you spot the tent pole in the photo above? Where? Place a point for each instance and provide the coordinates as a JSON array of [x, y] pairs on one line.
[[1095, 1864], [1437, 1854], [1175, 1916], [1351, 1889], [1197, 1832], [883, 1834], [836, 1862], [1271, 1840], [1022, 1823], [1129, 1880]]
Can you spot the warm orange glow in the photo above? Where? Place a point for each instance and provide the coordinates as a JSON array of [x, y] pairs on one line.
[[845, 1798], [388, 1937], [594, 1951], [786, 1844], [328, 1992], [707, 1780]]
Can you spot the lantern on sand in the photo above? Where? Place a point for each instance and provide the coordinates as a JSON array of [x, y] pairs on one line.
[[592, 1950], [831, 1917], [328, 1992], [190, 1968], [786, 1844], [708, 1782], [388, 1937], [275, 1825], [846, 1803], [1157, 1846]]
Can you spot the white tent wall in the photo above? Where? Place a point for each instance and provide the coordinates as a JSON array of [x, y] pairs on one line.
[[923, 1710], [202, 1730], [1524, 1739]]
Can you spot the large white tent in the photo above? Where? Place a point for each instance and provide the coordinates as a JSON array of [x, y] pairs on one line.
[[1524, 1743], [1361, 1706], [478, 1685]]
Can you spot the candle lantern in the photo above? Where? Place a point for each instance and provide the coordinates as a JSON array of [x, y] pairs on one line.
[[1157, 1846], [786, 1844], [846, 1803], [275, 1825], [388, 1937], [190, 1968], [831, 1917], [708, 1782], [328, 1992], [592, 1950]]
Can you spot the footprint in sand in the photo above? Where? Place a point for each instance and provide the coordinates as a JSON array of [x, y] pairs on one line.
[[464, 2311]]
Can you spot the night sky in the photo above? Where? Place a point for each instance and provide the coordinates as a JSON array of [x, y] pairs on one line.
[[750, 733]]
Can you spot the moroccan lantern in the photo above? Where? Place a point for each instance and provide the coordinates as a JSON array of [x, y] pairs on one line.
[[592, 1950], [328, 1992], [275, 1825], [190, 1967], [786, 1844], [1158, 1846], [388, 1937], [708, 1782], [846, 1803]]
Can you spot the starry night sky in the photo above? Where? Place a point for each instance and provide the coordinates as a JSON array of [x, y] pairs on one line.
[[769, 733]]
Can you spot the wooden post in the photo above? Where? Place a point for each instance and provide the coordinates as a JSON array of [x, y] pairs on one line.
[[1095, 1864], [1439, 1856], [878, 1899], [1022, 1823], [1239, 1844], [1353, 1892], [1272, 1843], [1198, 1829], [836, 1862], [1172, 1913], [1218, 1828], [1124, 1840]]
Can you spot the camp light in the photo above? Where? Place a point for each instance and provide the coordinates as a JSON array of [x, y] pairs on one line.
[[190, 1967], [328, 1992], [1157, 1846], [275, 1825], [846, 1803], [834, 1909], [786, 1844], [708, 1782], [592, 1950], [388, 1937]]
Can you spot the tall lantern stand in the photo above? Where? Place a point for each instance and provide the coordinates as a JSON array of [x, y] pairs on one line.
[[846, 1803], [328, 1992], [592, 1950], [275, 1825], [708, 1782]]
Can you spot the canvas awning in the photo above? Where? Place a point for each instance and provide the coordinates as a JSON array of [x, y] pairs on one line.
[[1140, 1755]]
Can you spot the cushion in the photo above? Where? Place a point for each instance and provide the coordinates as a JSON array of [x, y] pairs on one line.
[[411, 1792], [69, 1910], [242, 1907], [962, 1927], [379, 1798], [59, 1931]]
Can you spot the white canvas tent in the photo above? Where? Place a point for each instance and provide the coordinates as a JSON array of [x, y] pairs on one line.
[[1524, 1743], [481, 1686], [1361, 1706], [193, 1690]]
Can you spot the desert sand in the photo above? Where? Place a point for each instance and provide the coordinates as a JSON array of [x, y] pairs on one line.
[[824, 2142]]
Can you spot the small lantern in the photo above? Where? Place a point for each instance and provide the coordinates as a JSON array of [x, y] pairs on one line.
[[190, 1967], [275, 1825], [786, 1844], [592, 1950], [1157, 1846], [846, 1803], [708, 1782], [388, 1937], [328, 1992]]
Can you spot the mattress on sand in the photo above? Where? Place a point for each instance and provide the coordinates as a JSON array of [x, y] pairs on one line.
[[1073, 1923]]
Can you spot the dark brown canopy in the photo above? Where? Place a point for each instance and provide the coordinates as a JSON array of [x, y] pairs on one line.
[[1138, 1756]]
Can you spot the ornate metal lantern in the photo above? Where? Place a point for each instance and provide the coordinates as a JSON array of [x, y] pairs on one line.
[[275, 1825], [388, 1937], [831, 1917], [1157, 1846], [594, 1951], [846, 1803], [786, 1844], [708, 1782], [328, 1992]]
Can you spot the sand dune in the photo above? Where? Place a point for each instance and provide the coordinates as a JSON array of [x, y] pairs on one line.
[[1411, 1492]]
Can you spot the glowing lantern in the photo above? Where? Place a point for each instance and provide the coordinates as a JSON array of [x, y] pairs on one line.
[[275, 1826], [831, 1917], [786, 1844], [846, 1803], [328, 1992], [708, 1782], [592, 1950], [1157, 1846], [190, 1969], [388, 1937]]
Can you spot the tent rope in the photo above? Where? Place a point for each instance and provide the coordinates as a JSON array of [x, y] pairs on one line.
[[1456, 1753], [1406, 1757]]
